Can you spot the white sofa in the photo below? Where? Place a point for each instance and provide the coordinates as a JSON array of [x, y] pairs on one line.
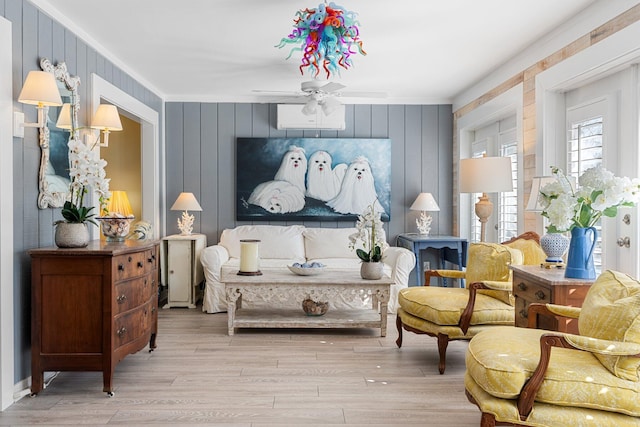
[[283, 245]]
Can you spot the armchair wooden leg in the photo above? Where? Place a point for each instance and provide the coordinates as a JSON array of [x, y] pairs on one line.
[[487, 420], [399, 326], [443, 342]]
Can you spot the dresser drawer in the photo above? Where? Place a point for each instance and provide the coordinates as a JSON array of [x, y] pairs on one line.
[[131, 265], [532, 292], [132, 293], [131, 326]]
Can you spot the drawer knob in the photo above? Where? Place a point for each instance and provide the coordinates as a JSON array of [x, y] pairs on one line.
[[140, 264], [523, 313], [153, 309], [150, 260], [130, 259], [120, 267], [120, 332], [121, 298], [540, 295], [522, 286]]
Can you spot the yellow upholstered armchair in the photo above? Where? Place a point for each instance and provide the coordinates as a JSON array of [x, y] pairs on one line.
[[460, 313], [533, 377]]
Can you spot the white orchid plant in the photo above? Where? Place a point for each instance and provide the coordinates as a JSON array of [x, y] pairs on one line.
[[86, 170], [370, 234], [599, 193]]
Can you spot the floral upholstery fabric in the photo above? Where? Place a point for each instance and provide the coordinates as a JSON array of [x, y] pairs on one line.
[[543, 414], [611, 311], [443, 306], [500, 360], [531, 251], [491, 261], [453, 332]]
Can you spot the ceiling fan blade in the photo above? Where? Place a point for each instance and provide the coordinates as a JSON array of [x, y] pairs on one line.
[[288, 92], [332, 87], [363, 94]]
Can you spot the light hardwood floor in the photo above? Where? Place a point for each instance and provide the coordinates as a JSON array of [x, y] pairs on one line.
[[199, 375]]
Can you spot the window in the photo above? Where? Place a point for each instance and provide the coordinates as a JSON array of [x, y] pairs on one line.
[[508, 204], [584, 152]]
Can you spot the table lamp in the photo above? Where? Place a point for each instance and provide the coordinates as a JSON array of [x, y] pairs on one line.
[[424, 203], [485, 175], [186, 202]]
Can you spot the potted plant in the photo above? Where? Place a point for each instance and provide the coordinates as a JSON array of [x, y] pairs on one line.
[[369, 243], [86, 171]]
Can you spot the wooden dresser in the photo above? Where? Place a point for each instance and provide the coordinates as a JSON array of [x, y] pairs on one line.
[[532, 283], [90, 307]]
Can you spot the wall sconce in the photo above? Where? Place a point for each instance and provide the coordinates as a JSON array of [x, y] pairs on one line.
[[424, 203], [39, 89], [186, 202], [106, 119], [485, 175], [64, 118]]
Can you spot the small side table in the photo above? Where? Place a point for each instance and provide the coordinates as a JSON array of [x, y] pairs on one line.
[[532, 283], [451, 248], [181, 268]]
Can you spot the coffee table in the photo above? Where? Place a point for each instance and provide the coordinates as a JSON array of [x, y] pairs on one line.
[[278, 285]]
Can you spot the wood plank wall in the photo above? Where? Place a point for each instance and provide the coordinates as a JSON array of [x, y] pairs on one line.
[[201, 158], [36, 35]]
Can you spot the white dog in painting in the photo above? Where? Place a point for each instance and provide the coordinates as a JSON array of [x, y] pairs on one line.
[[358, 190], [323, 183], [278, 197], [293, 167]]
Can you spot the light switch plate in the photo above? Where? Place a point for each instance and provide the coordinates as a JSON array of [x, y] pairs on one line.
[[18, 121]]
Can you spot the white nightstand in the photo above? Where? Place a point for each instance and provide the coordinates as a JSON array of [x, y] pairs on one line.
[[181, 268]]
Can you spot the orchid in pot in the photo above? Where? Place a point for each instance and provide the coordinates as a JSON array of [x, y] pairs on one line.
[[599, 193], [86, 172], [369, 243]]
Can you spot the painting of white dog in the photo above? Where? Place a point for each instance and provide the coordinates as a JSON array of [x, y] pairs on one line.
[[323, 183]]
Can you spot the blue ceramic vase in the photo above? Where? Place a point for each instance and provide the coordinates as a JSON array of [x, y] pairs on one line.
[[580, 258]]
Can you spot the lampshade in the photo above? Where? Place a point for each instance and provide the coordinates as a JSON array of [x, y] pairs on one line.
[[485, 175], [119, 203], [537, 183], [106, 118], [186, 202], [425, 202], [40, 89], [64, 118]]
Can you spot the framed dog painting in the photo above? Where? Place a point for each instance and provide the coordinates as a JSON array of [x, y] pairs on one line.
[[312, 178]]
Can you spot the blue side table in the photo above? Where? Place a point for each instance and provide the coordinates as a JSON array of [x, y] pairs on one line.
[[451, 248]]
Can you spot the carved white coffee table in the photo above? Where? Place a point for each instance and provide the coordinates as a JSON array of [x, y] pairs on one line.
[[277, 285]]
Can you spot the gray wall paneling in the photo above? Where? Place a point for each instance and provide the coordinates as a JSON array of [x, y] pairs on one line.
[[36, 35], [420, 158]]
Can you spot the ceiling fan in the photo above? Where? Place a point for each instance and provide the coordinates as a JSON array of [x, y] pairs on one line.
[[318, 93]]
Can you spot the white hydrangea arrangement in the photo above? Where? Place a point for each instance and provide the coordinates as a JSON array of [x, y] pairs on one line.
[[369, 227], [599, 193], [86, 170]]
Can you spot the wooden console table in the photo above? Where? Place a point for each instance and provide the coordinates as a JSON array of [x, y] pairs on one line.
[[92, 306], [278, 285], [532, 283]]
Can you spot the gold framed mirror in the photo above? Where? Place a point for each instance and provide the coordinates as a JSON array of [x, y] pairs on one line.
[[61, 126]]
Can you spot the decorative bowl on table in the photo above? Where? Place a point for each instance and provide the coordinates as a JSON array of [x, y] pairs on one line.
[[307, 269], [314, 308], [115, 227]]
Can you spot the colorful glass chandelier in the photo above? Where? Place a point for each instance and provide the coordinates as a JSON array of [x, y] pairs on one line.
[[328, 37]]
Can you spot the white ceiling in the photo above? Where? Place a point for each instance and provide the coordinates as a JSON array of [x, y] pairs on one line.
[[418, 51]]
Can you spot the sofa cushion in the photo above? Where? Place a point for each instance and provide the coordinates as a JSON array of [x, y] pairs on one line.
[[502, 359], [276, 241], [611, 311], [328, 243]]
